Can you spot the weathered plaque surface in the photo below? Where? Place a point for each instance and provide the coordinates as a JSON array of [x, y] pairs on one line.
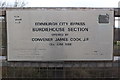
[[60, 35]]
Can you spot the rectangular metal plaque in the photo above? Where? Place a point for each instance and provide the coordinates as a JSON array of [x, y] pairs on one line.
[[60, 35]]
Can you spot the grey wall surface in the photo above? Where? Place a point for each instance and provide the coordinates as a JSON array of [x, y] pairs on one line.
[[57, 69]]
